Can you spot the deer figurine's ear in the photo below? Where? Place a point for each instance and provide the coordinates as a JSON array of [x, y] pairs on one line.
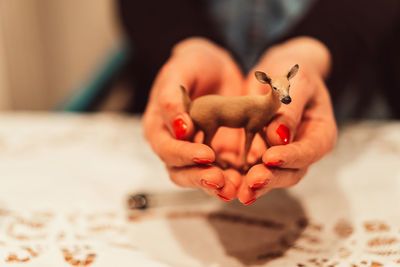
[[292, 72], [262, 77]]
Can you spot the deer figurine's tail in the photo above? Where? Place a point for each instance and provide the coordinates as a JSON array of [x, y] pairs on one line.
[[185, 99]]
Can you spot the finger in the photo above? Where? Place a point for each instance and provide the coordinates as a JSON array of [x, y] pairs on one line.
[[246, 195], [316, 136], [210, 177], [261, 176], [282, 129], [257, 150], [228, 192], [261, 179], [282, 178], [233, 176], [179, 81], [172, 101], [225, 144], [174, 153], [303, 152]]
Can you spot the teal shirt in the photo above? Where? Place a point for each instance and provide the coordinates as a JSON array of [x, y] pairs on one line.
[[248, 25]]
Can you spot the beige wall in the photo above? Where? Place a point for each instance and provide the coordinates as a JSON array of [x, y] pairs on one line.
[[52, 47], [5, 101]]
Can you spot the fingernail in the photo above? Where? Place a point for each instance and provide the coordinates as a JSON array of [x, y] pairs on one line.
[[258, 185], [212, 185], [180, 128], [284, 133], [223, 198], [202, 161], [274, 163], [250, 201]]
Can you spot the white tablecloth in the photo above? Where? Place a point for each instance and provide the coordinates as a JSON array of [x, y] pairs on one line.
[[64, 180]]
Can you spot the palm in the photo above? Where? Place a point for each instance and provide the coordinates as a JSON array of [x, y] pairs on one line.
[[226, 142]]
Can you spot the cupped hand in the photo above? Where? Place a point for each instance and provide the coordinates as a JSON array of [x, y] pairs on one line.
[[303, 131], [202, 68]]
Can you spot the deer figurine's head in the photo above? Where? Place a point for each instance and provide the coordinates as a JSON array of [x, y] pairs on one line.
[[281, 84]]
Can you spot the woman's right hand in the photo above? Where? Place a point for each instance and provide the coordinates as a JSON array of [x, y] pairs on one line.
[[202, 68]]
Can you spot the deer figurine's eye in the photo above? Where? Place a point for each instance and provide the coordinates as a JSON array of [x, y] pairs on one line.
[[274, 88]]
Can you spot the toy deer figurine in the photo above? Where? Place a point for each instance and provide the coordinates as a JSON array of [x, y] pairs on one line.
[[251, 112]]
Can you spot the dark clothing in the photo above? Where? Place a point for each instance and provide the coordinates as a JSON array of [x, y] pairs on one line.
[[363, 37], [153, 28], [364, 40]]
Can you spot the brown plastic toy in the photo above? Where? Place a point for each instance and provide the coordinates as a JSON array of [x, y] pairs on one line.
[[251, 112]]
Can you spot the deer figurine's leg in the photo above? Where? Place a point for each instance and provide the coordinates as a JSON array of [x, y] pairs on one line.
[[249, 140], [208, 136], [264, 137]]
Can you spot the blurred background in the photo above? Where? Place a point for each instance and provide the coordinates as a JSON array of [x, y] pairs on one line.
[[104, 54], [52, 51]]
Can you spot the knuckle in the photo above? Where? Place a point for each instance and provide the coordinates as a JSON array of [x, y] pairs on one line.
[[167, 104], [209, 175], [173, 177], [162, 157], [179, 152], [298, 176], [293, 115], [294, 181], [181, 158], [163, 152]]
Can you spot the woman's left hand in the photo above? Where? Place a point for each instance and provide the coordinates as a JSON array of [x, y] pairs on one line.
[[303, 131]]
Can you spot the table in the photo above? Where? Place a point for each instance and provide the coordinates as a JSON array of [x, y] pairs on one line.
[[64, 181]]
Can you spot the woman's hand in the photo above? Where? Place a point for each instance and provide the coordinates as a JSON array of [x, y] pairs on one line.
[[202, 68], [301, 132]]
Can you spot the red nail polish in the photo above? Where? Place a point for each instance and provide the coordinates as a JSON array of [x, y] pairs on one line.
[[250, 201], [274, 163], [180, 128], [223, 198], [258, 185], [202, 161], [215, 186], [284, 133]]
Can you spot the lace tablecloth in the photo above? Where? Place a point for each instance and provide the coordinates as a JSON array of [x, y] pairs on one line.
[[64, 181]]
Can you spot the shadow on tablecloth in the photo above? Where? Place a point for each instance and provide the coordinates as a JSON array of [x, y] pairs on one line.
[[274, 224], [252, 234]]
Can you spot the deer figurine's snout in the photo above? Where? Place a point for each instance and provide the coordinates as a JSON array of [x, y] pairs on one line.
[[286, 100], [251, 112]]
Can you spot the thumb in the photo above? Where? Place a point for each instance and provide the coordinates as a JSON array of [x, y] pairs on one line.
[[282, 129], [174, 113]]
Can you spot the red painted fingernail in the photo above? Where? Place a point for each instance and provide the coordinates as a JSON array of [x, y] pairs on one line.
[[212, 185], [274, 163], [202, 161], [250, 201], [284, 133], [223, 198], [180, 128], [258, 185]]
